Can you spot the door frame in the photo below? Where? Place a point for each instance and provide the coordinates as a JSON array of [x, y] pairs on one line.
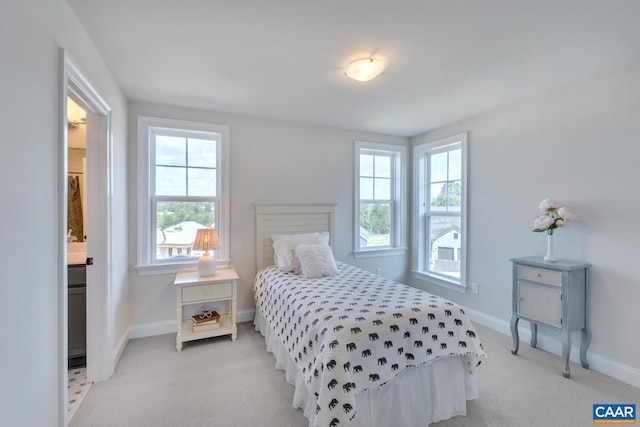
[[100, 363]]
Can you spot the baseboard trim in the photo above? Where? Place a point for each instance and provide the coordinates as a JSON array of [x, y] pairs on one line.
[[153, 329], [169, 326], [598, 363], [245, 315], [122, 343]]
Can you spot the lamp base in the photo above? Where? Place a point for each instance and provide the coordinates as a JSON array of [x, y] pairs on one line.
[[206, 265]]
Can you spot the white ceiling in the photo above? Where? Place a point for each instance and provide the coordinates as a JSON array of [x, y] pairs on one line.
[[284, 59]]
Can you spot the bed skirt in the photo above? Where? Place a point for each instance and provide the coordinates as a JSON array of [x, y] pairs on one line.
[[415, 398]]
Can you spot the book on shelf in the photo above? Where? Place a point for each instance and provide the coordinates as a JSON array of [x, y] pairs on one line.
[[207, 322], [205, 327], [199, 320]]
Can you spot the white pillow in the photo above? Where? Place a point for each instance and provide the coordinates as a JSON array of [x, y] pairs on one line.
[[297, 267], [282, 248], [276, 237], [316, 261]]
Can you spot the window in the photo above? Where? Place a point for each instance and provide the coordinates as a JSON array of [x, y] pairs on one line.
[[380, 199], [439, 226], [183, 186]]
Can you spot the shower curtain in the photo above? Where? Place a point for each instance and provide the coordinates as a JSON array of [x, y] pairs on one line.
[[74, 211]]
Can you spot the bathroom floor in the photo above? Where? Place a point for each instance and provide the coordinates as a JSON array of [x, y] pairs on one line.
[[78, 387]]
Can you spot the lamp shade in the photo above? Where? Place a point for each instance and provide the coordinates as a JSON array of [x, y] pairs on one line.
[[364, 69], [206, 240]]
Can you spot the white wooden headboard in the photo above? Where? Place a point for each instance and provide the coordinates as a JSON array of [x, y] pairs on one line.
[[290, 219]]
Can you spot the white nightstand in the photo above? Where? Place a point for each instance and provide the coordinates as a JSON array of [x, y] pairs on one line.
[[192, 289]]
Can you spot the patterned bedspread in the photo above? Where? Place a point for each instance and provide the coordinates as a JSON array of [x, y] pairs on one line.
[[356, 331]]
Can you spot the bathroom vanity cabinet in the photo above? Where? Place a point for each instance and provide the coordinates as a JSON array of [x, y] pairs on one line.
[[77, 314]]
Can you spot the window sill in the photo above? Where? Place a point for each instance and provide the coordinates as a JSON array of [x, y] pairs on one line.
[[173, 268], [371, 253], [439, 281]]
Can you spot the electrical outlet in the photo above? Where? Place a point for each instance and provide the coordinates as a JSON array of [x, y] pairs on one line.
[[474, 288], [378, 271]]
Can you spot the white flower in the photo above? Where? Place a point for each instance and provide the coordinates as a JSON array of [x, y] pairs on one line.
[[565, 213], [543, 222], [549, 205], [555, 216]]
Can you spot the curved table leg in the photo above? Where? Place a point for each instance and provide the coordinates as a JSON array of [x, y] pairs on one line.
[[586, 339], [534, 334], [514, 334], [566, 349]]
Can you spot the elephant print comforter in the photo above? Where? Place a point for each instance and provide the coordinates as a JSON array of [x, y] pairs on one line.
[[356, 331]]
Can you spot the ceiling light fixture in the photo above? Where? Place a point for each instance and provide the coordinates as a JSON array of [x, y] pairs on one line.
[[364, 69]]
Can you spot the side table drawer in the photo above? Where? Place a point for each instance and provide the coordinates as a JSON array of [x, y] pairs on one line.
[[541, 275], [206, 292]]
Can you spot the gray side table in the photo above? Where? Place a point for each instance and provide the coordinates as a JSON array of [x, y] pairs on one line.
[[555, 295]]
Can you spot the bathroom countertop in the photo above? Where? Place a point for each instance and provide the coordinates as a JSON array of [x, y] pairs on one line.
[[76, 253], [76, 258]]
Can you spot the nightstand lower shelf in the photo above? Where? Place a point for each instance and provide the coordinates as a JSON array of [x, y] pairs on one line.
[[226, 328]]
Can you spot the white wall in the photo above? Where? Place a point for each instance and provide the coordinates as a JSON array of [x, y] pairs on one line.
[[578, 144], [30, 35], [271, 162]]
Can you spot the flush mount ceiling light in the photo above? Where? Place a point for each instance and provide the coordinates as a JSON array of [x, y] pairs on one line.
[[364, 69]]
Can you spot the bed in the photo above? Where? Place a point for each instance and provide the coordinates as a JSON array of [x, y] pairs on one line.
[[360, 350]]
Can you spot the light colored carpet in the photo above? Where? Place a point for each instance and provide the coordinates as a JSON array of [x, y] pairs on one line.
[[217, 382]]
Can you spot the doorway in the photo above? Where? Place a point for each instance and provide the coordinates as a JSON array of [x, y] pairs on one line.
[[77, 214], [96, 226]]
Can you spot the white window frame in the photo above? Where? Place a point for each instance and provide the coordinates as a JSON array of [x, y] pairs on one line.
[[399, 192], [421, 197], [146, 262]]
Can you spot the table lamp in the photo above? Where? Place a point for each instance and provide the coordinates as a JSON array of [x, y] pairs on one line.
[[206, 240]]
